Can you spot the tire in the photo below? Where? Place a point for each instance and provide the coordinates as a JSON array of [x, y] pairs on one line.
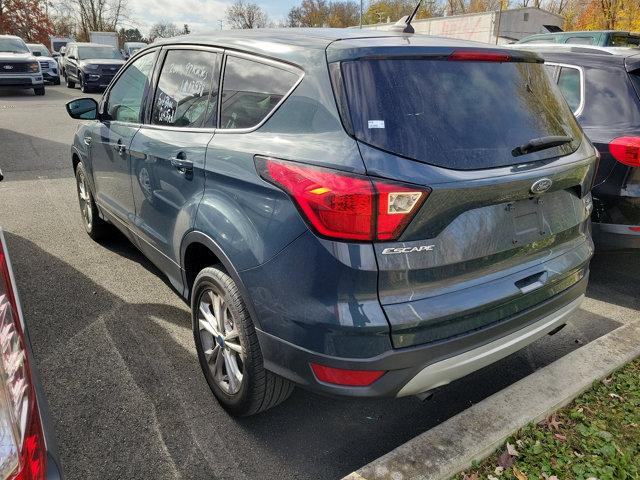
[[56, 81], [39, 91], [83, 87], [258, 389], [95, 226], [69, 83]]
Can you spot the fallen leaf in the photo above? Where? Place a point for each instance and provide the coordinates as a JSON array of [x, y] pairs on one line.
[[607, 381], [505, 460], [593, 478], [553, 477], [553, 423], [471, 476], [578, 454], [554, 462], [560, 437], [519, 474], [512, 450], [520, 443], [615, 395], [491, 477], [499, 471]]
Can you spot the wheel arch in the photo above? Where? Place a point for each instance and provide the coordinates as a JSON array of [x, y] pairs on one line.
[[192, 260]]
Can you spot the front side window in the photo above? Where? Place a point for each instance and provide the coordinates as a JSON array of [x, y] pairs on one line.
[[126, 96], [251, 90], [569, 84], [189, 78]]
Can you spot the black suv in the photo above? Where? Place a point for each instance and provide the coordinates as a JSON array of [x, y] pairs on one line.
[[602, 87], [91, 65]]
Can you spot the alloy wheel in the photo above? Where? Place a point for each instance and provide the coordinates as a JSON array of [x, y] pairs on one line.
[[221, 342], [84, 198]]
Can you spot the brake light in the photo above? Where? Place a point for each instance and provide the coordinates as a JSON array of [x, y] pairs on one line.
[[479, 56], [340, 376], [635, 229], [22, 450], [342, 205], [626, 150]]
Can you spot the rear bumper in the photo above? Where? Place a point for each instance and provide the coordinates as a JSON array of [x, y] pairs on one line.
[[615, 236], [413, 370]]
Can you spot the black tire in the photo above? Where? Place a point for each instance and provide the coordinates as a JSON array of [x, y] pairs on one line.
[[56, 81], [69, 83], [83, 86], [39, 91], [95, 226], [260, 389]]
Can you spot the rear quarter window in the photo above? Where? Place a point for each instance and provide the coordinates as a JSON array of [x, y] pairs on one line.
[[251, 91], [569, 83]]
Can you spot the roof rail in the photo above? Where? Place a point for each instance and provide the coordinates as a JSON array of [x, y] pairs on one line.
[[575, 48]]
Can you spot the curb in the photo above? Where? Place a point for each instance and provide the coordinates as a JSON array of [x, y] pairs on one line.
[[475, 433]]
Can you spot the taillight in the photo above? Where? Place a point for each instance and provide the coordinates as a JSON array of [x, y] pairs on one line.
[[479, 56], [22, 449], [342, 205], [340, 376], [626, 150]]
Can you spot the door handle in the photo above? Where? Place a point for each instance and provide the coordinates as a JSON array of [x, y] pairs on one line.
[[181, 163], [122, 149], [532, 282]]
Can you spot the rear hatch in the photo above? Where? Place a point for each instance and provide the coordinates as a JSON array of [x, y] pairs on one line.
[[503, 229]]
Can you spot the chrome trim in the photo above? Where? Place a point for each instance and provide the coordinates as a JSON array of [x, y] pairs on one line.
[[580, 108]]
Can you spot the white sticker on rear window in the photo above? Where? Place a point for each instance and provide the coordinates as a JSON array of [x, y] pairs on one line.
[[376, 124]]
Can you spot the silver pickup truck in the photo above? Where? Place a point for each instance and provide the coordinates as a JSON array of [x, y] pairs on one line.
[[19, 68]]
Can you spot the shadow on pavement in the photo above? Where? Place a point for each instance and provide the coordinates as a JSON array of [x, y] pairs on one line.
[[615, 278], [129, 401]]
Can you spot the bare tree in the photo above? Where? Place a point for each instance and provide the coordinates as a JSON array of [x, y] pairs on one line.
[[164, 30], [93, 15], [246, 15]]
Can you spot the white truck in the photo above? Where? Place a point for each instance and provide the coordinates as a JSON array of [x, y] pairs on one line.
[[104, 38]]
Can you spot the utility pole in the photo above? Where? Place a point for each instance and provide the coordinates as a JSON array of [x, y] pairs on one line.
[[361, 10], [499, 20], [221, 23]]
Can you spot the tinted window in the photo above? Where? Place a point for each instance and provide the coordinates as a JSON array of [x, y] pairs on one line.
[[251, 90], [622, 40], [461, 115], [85, 53], [126, 95], [580, 40], [569, 84], [187, 81]]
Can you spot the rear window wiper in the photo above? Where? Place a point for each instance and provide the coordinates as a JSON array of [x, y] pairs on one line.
[[542, 143]]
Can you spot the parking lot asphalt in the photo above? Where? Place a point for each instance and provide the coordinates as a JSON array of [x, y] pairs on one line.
[[114, 347]]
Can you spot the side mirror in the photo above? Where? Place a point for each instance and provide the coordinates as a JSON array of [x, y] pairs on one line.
[[83, 109]]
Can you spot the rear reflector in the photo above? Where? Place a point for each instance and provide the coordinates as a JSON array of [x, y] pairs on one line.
[[351, 378], [479, 56], [22, 450], [626, 150], [343, 205]]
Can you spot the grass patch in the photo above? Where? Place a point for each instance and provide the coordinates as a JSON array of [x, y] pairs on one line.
[[595, 437]]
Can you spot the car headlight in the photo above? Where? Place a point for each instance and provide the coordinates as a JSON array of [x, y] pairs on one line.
[[91, 67], [34, 67]]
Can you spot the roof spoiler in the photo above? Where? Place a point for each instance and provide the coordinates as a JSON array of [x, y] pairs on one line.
[[404, 24]]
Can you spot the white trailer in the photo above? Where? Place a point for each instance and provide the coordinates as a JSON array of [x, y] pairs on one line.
[[104, 38], [58, 42]]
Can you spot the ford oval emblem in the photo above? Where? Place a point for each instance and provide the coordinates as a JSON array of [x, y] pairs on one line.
[[541, 185], [8, 67]]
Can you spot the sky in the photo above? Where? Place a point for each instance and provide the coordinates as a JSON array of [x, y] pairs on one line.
[[201, 15]]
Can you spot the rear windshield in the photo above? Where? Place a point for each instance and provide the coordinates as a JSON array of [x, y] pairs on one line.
[[456, 114], [624, 40], [90, 53]]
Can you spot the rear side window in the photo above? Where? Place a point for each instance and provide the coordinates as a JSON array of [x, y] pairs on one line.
[[187, 90], [251, 90], [570, 86], [456, 114]]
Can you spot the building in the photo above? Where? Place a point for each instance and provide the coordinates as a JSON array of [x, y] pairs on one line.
[[492, 27]]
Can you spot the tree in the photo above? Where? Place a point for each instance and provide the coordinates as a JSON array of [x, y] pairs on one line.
[[130, 35], [26, 19], [163, 30], [245, 15], [185, 29], [380, 11], [98, 15], [321, 13], [343, 14]]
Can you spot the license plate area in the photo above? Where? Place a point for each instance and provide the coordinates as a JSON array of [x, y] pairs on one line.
[[527, 220]]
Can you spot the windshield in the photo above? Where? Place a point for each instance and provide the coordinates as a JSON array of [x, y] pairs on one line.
[[13, 45], [456, 114], [624, 40], [41, 49], [85, 53]]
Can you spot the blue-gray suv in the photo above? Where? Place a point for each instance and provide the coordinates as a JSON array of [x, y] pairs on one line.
[[358, 213]]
